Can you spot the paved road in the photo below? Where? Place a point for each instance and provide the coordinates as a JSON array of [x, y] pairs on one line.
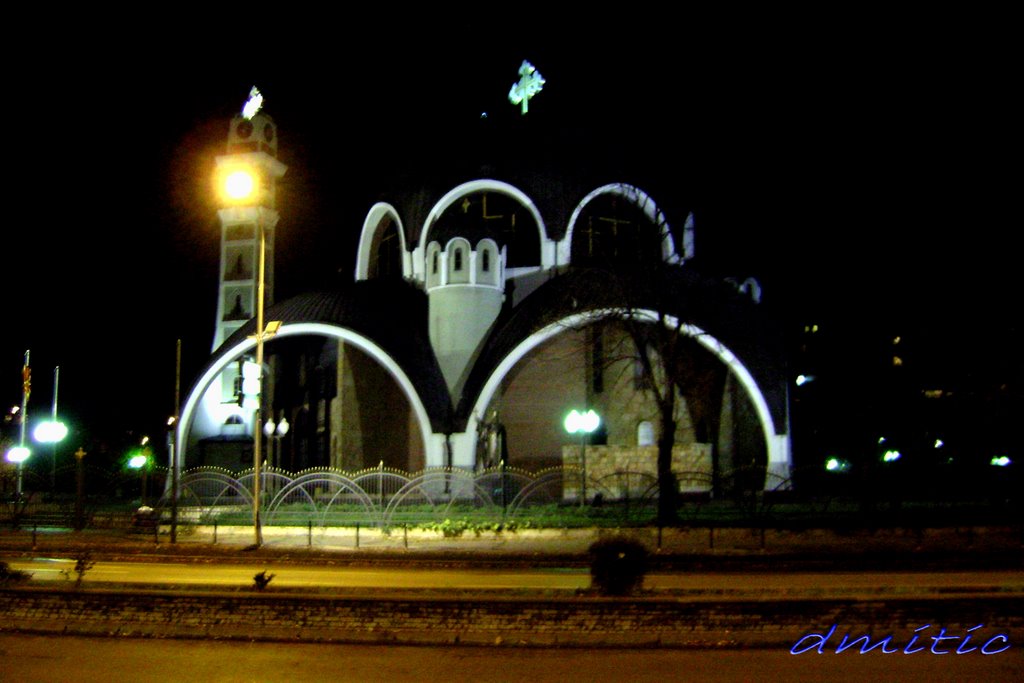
[[717, 584], [28, 659]]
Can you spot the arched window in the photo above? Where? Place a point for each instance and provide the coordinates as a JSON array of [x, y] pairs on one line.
[[487, 261], [434, 274], [458, 261], [645, 434]]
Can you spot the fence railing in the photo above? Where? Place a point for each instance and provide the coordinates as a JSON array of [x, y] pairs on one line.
[[385, 497]]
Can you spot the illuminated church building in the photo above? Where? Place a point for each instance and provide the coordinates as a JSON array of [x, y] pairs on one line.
[[465, 338]]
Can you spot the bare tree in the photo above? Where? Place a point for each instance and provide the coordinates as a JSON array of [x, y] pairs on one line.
[[644, 317]]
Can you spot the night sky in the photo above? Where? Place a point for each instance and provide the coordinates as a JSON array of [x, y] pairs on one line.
[[860, 166]]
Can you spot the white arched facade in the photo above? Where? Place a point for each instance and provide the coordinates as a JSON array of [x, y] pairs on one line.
[[371, 225], [634, 196], [433, 445], [778, 445], [547, 246]]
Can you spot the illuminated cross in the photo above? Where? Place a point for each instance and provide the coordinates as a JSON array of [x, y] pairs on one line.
[[253, 104], [530, 83]]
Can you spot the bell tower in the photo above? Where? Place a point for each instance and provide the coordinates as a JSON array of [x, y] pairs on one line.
[[246, 181]]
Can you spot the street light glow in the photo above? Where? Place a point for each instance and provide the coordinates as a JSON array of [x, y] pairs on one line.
[[18, 454], [50, 431], [137, 461], [587, 422], [239, 184]]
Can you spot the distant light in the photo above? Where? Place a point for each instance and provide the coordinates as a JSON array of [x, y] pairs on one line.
[[996, 461], [170, 421], [50, 432], [18, 454], [483, 115], [837, 465], [804, 379], [891, 456], [896, 340], [897, 361], [137, 461], [939, 443], [253, 104], [881, 439], [145, 440]]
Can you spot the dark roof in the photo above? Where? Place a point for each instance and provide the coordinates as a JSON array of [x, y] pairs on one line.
[[391, 313]]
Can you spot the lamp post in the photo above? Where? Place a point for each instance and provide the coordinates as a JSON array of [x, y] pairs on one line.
[[52, 432], [79, 488], [140, 461], [20, 453], [275, 432], [583, 424], [241, 187]]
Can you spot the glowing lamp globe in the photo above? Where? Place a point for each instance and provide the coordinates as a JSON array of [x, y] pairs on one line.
[[239, 185], [50, 431], [18, 454], [586, 422]]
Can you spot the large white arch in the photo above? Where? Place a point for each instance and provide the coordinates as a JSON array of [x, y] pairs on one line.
[[370, 226], [294, 329], [778, 445], [547, 245], [638, 198]]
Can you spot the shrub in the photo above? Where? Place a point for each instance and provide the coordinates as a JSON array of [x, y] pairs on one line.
[[617, 565], [83, 563], [261, 580]]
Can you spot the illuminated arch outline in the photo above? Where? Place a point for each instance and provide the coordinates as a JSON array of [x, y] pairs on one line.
[[777, 445], [547, 245], [370, 227], [291, 330], [638, 198]]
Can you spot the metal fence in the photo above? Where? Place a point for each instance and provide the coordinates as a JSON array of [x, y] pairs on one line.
[[384, 497]]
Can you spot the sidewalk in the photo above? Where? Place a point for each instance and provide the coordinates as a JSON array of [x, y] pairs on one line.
[[991, 547]]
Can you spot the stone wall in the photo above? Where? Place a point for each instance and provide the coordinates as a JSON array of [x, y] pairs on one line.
[[583, 620], [620, 471]]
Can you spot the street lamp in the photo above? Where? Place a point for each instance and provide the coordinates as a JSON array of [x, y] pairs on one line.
[[275, 432], [140, 461], [240, 187], [583, 424], [79, 488], [20, 453], [52, 431]]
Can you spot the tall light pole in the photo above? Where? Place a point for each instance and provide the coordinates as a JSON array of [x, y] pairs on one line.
[[583, 424], [20, 453], [52, 432], [247, 189]]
